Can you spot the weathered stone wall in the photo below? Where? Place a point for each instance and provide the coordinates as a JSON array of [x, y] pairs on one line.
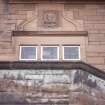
[[57, 87], [91, 16]]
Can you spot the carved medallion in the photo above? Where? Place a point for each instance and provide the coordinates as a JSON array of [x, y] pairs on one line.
[[50, 19]]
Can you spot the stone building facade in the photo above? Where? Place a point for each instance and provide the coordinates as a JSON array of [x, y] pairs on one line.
[[24, 16], [47, 78]]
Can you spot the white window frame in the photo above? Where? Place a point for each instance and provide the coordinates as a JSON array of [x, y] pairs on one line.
[[72, 59], [50, 59], [20, 58]]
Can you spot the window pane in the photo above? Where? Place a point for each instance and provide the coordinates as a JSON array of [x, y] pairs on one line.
[[71, 52], [49, 52], [28, 53]]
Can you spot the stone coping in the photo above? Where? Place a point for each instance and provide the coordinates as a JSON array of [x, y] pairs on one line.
[[58, 1], [52, 66]]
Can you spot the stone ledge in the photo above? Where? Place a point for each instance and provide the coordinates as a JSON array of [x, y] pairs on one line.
[[52, 66]]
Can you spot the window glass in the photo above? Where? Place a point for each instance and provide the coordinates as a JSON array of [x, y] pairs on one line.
[[50, 53], [71, 53], [28, 53]]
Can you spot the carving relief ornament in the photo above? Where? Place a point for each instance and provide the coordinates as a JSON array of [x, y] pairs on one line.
[[49, 19]]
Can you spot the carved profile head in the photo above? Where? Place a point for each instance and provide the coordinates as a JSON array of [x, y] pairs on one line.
[[49, 19]]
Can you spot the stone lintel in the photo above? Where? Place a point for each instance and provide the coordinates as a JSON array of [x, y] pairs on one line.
[[50, 33]]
